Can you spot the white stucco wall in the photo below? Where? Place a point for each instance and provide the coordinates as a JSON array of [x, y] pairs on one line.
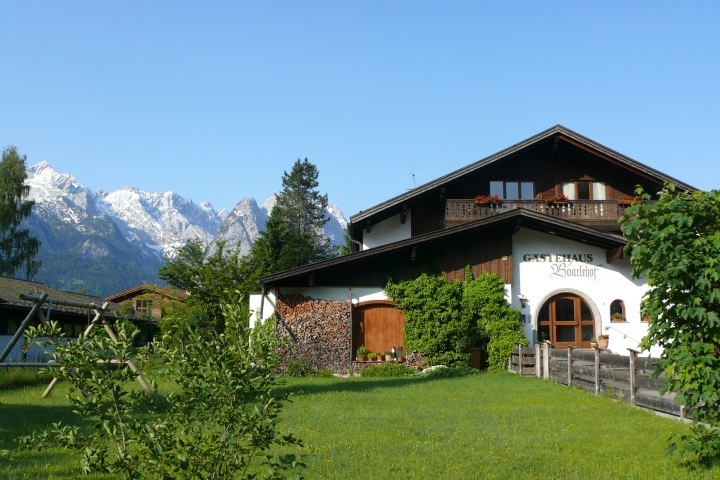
[[601, 284], [339, 294], [387, 231], [267, 310]]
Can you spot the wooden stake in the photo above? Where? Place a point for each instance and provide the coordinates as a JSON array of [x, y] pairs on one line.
[[546, 360], [538, 360], [633, 377]]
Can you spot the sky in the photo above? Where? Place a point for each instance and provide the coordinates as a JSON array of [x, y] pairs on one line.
[[215, 100]]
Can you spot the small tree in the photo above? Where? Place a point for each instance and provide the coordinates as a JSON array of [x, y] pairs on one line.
[[17, 247], [209, 282], [675, 242], [220, 423]]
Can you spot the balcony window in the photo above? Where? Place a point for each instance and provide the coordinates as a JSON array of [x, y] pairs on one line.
[[512, 190], [584, 190]]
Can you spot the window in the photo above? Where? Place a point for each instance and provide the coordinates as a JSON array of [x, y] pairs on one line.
[[617, 311], [566, 320], [143, 306], [512, 190], [584, 190]]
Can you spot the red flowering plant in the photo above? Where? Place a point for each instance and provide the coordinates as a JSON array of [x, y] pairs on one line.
[[632, 198], [483, 199], [557, 198]]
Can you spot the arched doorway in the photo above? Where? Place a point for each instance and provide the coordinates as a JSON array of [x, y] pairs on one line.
[[378, 325], [566, 320]]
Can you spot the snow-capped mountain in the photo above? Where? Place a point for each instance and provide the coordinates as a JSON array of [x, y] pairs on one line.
[[149, 221], [136, 227]]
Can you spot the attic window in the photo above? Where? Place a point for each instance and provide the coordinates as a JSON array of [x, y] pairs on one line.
[[143, 306], [512, 190]]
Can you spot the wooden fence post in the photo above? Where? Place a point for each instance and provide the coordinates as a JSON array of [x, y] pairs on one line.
[[633, 376], [597, 370], [570, 374], [538, 360], [520, 357], [546, 360]]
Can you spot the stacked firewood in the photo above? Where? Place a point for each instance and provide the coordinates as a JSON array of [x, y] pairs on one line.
[[319, 331]]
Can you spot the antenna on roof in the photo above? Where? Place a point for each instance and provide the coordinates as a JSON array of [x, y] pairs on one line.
[[413, 175]]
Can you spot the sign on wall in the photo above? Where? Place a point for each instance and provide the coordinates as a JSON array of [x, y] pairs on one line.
[[567, 265]]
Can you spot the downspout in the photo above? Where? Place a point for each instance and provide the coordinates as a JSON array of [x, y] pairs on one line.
[[350, 328], [350, 230], [262, 302]]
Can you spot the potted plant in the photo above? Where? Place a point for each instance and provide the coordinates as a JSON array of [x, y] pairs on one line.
[[603, 341], [379, 356], [362, 353], [633, 200], [617, 317], [593, 342], [558, 200], [388, 355], [487, 200]]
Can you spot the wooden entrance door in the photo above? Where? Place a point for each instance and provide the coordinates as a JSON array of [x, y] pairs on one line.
[[566, 320], [378, 325]]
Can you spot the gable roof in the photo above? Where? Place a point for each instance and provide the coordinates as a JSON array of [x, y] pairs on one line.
[[564, 133], [12, 288], [146, 287], [519, 217]]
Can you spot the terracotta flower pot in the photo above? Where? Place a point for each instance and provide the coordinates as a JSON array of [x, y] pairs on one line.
[[593, 345], [388, 358], [603, 343], [361, 358]]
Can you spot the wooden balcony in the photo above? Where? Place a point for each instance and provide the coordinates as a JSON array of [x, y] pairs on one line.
[[598, 213]]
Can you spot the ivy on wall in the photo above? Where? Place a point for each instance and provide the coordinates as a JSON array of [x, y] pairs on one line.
[[443, 320]]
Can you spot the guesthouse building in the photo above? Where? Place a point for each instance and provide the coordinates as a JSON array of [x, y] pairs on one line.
[[542, 214]]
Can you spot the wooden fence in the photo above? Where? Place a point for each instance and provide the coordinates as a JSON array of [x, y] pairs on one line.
[[626, 378]]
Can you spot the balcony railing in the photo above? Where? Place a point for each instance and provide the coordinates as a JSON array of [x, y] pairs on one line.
[[589, 212]]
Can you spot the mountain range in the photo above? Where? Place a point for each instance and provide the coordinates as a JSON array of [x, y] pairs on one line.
[[102, 242]]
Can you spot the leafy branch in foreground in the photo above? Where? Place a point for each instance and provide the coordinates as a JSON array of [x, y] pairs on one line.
[[222, 422], [675, 242]]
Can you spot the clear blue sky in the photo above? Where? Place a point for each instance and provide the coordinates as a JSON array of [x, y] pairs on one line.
[[214, 100]]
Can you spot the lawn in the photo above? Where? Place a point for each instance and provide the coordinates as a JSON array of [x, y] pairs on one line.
[[484, 426]]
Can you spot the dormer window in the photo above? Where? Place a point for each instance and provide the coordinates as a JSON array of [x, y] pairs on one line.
[[512, 190]]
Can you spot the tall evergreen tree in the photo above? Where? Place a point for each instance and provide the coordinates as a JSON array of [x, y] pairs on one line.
[[293, 234], [17, 247]]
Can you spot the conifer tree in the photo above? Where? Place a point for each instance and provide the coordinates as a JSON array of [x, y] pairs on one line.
[[17, 247], [302, 205]]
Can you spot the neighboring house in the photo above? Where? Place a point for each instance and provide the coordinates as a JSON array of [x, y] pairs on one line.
[[562, 262], [148, 299], [71, 320]]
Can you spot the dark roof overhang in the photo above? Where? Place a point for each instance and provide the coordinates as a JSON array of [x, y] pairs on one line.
[[558, 130], [519, 218]]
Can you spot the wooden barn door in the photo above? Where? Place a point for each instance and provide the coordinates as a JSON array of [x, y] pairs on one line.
[[378, 325]]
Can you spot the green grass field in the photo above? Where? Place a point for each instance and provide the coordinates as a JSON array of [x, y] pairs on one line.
[[484, 426]]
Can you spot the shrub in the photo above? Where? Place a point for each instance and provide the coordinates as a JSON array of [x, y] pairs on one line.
[[450, 372], [388, 370], [297, 367], [325, 373]]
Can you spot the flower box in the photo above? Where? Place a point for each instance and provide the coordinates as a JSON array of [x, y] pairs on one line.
[[487, 200]]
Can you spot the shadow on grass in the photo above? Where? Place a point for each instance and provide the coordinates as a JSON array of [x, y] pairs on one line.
[[316, 385]]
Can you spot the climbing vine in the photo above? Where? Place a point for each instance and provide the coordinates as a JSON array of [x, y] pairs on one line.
[[443, 320]]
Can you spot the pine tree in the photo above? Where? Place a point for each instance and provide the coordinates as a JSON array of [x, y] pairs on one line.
[[305, 213], [17, 247]]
